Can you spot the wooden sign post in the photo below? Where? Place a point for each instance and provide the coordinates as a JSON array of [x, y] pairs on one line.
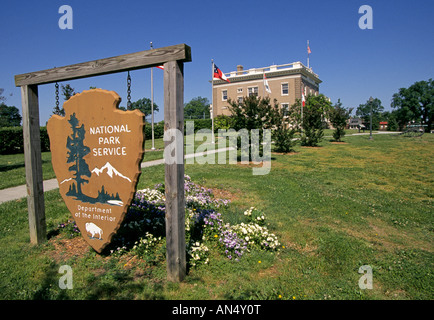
[[173, 58], [174, 173]]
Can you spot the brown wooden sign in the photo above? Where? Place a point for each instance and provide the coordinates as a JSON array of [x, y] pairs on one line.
[[96, 152]]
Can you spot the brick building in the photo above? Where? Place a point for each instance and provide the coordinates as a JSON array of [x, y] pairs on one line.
[[285, 81]]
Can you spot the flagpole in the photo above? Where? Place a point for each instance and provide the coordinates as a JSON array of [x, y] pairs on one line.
[[301, 122], [152, 104], [308, 54], [212, 102]]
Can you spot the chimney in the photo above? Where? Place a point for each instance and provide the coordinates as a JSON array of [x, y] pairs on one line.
[[239, 69]]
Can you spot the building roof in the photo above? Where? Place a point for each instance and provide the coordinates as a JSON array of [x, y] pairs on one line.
[[270, 72]]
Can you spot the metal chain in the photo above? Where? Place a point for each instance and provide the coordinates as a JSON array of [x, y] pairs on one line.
[[57, 95], [128, 91]]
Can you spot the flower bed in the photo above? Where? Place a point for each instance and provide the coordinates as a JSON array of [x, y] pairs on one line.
[[142, 232]]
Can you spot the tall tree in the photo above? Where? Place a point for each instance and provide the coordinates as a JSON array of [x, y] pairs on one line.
[[2, 98], [391, 118], [197, 108], [67, 92], [144, 105], [415, 103], [9, 116], [364, 112], [338, 117]]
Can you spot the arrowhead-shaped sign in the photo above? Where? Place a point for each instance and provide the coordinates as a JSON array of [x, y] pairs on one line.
[[96, 151]]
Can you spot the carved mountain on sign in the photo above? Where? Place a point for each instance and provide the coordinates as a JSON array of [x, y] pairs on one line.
[[110, 171]]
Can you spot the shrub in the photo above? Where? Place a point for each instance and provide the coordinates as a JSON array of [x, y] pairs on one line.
[[223, 122], [286, 123], [338, 117], [11, 140], [312, 124], [200, 124], [158, 130]]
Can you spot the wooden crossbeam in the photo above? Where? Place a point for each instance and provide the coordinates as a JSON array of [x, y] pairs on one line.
[[131, 61]]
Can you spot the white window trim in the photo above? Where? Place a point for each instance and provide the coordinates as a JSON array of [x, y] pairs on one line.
[[281, 89], [223, 95], [257, 91]]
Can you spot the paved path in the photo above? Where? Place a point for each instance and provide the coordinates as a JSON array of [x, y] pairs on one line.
[[19, 192]]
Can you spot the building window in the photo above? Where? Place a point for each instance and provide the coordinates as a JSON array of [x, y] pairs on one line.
[[285, 109], [252, 91], [285, 89], [240, 90], [224, 95], [240, 99]]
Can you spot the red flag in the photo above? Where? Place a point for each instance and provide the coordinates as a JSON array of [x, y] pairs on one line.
[[303, 99], [308, 49], [219, 74]]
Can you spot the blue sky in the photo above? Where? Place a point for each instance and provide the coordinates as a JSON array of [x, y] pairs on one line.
[[353, 64]]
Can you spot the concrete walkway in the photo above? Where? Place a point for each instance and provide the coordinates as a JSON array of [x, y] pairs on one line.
[[19, 192]]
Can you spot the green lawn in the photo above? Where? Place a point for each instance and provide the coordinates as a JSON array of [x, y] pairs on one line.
[[334, 209], [13, 173]]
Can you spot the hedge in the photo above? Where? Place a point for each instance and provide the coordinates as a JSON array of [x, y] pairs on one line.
[[159, 127], [11, 138]]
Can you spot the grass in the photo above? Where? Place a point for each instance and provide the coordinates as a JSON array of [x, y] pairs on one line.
[[13, 172], [334, 209]]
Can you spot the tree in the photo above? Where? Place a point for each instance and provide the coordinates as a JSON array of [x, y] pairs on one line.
[[2, 98], [338, 117], [223, 122], [415, 103], [67, 92], [315, 109], [391, 118], [251, 113], [258, 113], [76, 153], [144, 105], [286, 124], [9, 116], [364, 112], [197, 108]]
